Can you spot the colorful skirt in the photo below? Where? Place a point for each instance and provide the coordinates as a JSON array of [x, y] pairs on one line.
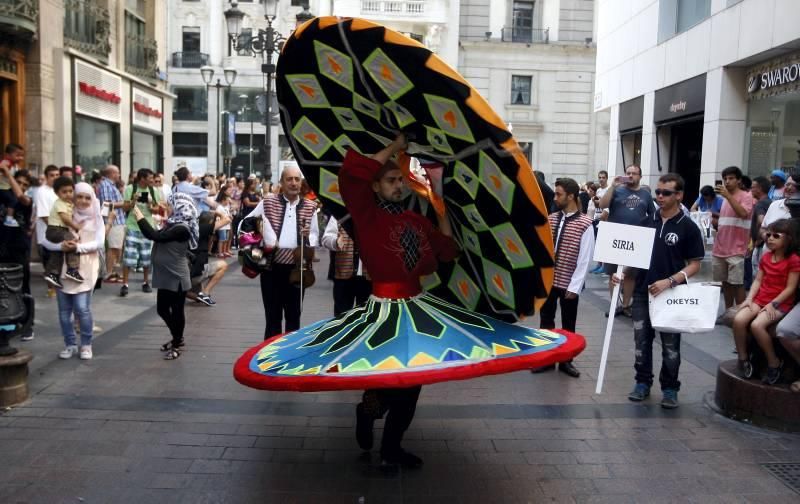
[[392, 343]]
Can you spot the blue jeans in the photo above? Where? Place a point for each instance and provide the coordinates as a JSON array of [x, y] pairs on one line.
[[644, 334], [80, 305]]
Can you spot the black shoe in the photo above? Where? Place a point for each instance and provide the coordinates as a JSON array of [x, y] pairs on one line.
[[74, 275], [52, 279], [402, 459], [773, 374], [364, 424], [146, 288], [202, 298], [123, 291], [745, 368], [622, 311], [569, 369], [542, 369]]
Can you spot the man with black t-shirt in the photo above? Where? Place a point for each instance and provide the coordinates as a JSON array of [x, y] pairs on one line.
[[677, 252]]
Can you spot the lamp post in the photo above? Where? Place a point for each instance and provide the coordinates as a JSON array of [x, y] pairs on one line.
[[266, 43], [246, 108], [207, 73]]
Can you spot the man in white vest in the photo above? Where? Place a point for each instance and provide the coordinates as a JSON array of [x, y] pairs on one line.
[[573, 238]]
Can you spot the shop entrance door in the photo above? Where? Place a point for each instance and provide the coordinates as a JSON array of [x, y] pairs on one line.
[[685, 155], [7, 98]]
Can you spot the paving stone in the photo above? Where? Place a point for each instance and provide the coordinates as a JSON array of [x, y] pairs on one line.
[[131, 428], [226, 440], [193, 452]]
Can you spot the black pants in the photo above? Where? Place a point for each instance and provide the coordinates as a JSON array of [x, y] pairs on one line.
[[400, 404], [569, 310], [281, 300], [169, 305], [56, 258], [350, 292]]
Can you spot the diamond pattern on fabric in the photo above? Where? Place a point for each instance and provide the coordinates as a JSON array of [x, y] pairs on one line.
[[334, 65], [410, 243], [308, 91], [387, 75]]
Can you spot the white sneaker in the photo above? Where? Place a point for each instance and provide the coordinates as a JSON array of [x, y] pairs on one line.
[[68, 352], [86, 352]]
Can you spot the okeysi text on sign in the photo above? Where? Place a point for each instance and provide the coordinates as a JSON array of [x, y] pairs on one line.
[[774, 78]]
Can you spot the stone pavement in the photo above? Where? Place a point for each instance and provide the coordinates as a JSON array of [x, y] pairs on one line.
[[129, 427]]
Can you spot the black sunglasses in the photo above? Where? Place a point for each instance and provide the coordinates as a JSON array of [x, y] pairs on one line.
[[665, 192], [775, 236]]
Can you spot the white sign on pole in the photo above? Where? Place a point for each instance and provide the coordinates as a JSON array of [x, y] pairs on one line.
[[622, 245]]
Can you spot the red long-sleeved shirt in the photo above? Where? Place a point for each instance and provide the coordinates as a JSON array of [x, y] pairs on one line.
[[378, 233]]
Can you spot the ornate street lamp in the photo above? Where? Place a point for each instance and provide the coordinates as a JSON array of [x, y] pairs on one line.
[[266, 43], [207, 73]]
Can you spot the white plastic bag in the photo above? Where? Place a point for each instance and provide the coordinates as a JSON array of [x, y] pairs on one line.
[[688, 308]]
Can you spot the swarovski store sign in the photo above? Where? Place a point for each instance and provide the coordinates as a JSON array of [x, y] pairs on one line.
[[774, 77]]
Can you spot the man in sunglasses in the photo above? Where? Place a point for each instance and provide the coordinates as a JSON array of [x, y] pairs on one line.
[[677, 252]]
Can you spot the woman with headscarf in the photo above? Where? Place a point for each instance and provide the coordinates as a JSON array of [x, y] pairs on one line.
[[75, 298], [171, 265]]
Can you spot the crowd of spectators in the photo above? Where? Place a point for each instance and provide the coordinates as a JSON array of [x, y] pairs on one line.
[[753, 257], [102, 231]]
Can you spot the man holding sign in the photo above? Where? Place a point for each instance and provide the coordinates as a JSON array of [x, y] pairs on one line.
[[677, 252]]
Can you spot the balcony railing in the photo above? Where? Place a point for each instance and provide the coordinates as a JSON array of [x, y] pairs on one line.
[[393, 7], [87, 28], [526, 35], [141, 56], [189, 59], [19, 17]]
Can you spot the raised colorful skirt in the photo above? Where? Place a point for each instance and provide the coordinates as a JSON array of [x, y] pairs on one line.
[[390, 343]]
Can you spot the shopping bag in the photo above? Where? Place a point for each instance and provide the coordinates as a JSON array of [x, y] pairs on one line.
[[688, 308]]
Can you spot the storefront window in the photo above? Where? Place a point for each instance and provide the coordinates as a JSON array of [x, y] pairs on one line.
[[773, 134], [243, 101], [191, 104], [241, 163], [190, 144], [631, 148], [145, 151], [95, 143]]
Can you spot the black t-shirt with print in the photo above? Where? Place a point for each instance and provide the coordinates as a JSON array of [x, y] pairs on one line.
[[676, 242]]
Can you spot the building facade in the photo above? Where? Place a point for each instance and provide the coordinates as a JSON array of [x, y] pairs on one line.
[[85, 81], [696, 86], [534, 61], [218, 128]]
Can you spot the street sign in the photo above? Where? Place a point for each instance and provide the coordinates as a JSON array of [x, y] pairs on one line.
[[623, 244]]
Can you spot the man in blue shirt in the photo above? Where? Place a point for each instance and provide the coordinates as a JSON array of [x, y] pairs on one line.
[[114, 212], [197, 193], [627, 203]]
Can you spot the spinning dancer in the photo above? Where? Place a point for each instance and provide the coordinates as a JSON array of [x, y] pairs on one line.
[[399, 247], [402, 337]]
